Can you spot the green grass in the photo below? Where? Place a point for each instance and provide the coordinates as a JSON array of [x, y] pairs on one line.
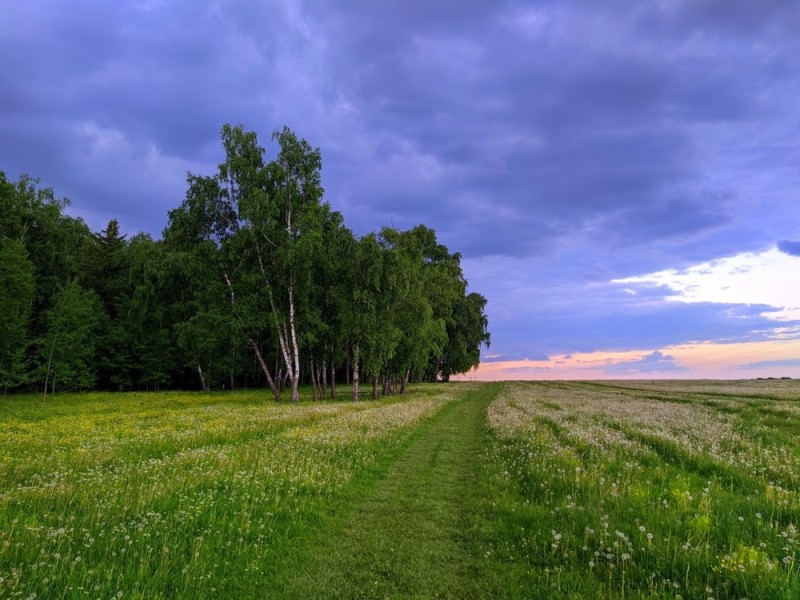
[[411, 534], [616, 494], [517, 490], [178, 495]]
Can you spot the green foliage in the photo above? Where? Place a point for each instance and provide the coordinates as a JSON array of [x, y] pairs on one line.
[[416, 306], [67, 350], [467, 331], [55, 243], [16, 298], [211, 339]]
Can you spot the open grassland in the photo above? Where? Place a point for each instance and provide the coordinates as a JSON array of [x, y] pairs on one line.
[[647, 489], [178, 495], [518, 490]]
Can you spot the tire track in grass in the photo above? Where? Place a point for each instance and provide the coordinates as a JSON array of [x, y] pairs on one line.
[[408, 535]]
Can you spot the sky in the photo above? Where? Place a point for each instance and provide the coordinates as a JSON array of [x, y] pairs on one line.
[[622, 178]]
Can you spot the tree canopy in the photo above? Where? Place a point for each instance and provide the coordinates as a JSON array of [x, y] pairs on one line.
[[256, 281]]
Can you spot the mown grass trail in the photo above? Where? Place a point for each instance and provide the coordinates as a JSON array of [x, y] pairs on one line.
[[409, 536]]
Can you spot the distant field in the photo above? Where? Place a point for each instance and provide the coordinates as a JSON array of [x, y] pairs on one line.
[[776, 389], [563, 490]]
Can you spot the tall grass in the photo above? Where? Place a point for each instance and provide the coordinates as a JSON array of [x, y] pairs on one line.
[[176, 495], [601, 491]]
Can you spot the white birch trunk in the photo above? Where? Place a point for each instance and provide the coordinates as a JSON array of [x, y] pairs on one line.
[[203, 382], [314, 384], [283, 343], [356, 358], [275, 391], [294, 373], [324, 374]]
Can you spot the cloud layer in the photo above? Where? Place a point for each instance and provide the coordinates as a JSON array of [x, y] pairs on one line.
[[557, 145]]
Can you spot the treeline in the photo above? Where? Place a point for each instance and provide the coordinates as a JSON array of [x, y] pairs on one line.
[[256, 281]]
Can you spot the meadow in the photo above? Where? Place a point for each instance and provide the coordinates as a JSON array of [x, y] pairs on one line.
[[648, 489], [176, 495], [557, 490]]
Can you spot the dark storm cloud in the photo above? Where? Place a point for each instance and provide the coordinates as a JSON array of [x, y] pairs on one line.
[[790, 248], [670, 218], [581, 142], [740, 17], [553, 125], [117, 101], [568, 115]]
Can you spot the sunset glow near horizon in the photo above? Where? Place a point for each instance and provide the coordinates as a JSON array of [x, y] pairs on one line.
[[767, 279], [692, 361], [621, 179]]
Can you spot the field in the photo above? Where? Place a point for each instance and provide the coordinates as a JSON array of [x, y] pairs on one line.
[[175, 495], [529, 490], [679, 489]]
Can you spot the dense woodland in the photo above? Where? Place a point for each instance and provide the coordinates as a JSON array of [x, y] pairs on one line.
[[255, 282]]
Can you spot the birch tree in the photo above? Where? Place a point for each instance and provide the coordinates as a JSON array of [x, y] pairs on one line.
[[265, 219], [421, 335], [288, 234], [208, 228], [467, 331], [371, 331]]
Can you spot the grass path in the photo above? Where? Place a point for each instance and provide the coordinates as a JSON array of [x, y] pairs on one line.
[[409, 535]]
